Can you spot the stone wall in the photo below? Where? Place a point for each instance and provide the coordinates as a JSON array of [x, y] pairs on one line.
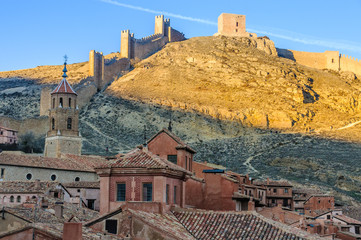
[[96, 67], [141, 48], [39, 126], [326, 60], [45, 101], [351, 64]]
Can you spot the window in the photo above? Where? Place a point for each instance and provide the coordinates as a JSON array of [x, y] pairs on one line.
[[91, 203], [111, 226], [236, 24], [121, 192], [1, 133], [357, 229], [186, 162], [147, 192], [53, 177], [69, 102], [69, 123], [167, 193], [175, 195], [172, 158], [77, 179], [78, 190], [2, 173], [12, 199], [275, 190], [286, 190], [53, 102], [328, 216], [29, 176], [52, 124], [18, 199], [61, 102], [273, 201], [56, 194], [332, 60], [319, 201], [236, 30]]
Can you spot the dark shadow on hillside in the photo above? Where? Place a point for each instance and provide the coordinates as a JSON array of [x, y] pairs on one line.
[[285, 53]]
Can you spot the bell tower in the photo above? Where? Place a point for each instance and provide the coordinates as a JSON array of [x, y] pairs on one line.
[[63, 135]]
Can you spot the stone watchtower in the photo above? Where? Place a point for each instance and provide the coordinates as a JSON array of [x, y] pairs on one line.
[[63, 135]]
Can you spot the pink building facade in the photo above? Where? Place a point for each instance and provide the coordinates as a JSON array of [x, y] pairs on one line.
[[141, 176], [8, 136]]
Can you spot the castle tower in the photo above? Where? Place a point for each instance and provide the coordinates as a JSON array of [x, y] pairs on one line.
[[96, 68], [159, 25], [232, 24], [63, 135], [125, 44]]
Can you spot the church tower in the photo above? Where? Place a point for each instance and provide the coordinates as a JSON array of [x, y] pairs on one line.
[[63, 135]]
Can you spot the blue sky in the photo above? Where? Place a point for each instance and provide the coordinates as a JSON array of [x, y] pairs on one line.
[[40, 32]]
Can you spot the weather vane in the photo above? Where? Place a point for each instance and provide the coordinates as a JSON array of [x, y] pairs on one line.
[[65, 58]]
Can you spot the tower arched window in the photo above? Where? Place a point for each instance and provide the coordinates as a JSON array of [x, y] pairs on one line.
[[69, 102], [52, 124], [53, 102], [69, 123], [61, 102]]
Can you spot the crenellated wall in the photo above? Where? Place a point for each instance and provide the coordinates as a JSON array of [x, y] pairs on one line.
[[96, 67], [132, 48], [351, 64]]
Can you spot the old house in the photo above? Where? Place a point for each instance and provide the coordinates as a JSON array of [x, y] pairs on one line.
[[88, 192], [316, 204], [8, 136], [278, 193], [141, 175]]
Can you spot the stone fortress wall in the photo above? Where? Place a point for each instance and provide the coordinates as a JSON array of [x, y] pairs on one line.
[[327, 60], [103, 71], [133, 48]]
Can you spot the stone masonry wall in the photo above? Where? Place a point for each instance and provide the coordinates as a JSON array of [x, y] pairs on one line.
[[348, 63], [37, 125], [45, 101]]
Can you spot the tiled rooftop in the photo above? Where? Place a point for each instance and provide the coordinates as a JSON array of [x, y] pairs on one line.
[[141, 158], [47, 215], [68, 162], [82, 184], [347, 219], [26, 186], [163, 222], [64, 87], [273, 183], [235, 225]]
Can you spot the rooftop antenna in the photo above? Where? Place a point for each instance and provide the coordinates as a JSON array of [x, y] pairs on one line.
[[170, 122], [145, 136]]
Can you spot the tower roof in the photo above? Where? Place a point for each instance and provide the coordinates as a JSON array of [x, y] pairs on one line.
[[64, 86]]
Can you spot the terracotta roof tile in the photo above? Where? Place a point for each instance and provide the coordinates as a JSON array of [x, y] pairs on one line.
[[235, 225], [64, 87], [68, 162], [347, 219], [141, 158], [26, 186], [82, 184]]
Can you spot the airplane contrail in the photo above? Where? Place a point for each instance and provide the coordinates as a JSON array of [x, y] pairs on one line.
[[308, 41]]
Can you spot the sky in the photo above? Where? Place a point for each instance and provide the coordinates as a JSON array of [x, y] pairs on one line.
[[41, 32]]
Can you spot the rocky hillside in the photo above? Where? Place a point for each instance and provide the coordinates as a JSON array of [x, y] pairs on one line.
[[228, 78], [234, 101]]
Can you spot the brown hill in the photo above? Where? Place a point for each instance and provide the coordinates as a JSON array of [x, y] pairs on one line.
[[229, 78]]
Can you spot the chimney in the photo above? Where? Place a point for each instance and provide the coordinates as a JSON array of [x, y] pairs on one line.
[[58, 211], [251, 206], [267, 181], [282, 217], [37, 184], [72, 231]]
